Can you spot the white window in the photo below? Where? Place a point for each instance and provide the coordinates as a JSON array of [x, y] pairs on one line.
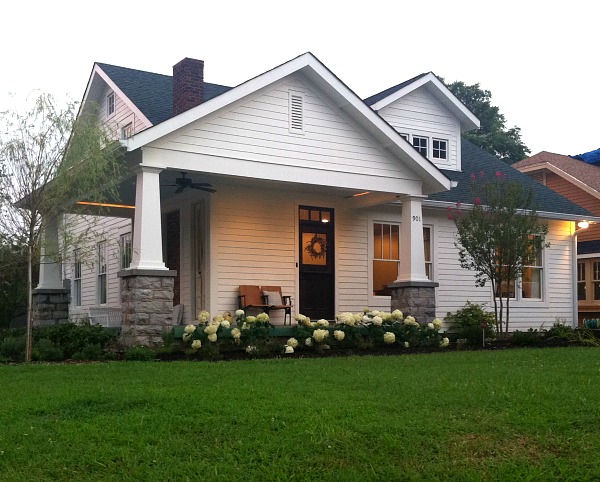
[[101, 287], [386, 255], [581, 281], [530, 282], [126, 248], [439, 149], [420, 144], [77, 279], [127, 131], [110, 104], [296, 112]]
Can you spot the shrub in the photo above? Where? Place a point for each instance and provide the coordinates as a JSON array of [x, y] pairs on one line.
[[45, 350], [91, 351], [530, 337], [13, 348], [139, 353], [466, 323], [74, 338]]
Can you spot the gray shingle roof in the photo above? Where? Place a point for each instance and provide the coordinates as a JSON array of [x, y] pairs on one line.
[[382, 95], [152, 93], [475, 160]]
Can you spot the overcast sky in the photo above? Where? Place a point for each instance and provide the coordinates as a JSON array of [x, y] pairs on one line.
[[540, 60]]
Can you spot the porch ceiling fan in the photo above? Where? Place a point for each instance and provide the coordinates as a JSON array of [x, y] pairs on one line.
[[184, 182]]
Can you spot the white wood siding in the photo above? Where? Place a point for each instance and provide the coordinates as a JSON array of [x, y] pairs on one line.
[[122, 116], [257, 130], [420, 113]]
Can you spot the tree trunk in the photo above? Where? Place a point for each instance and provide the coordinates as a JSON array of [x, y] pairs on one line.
[[29, 335]]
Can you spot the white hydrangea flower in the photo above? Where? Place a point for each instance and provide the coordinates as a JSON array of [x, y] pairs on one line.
[[189, 329], [339, 335], [406, 344], [389, 337], [239, 313], [289, 349], [236, 333], [212, 337], [292, 342], [320, 335], [410, 320], [211, 329], [445, 342], [225, 324], [397, 315], [324, 323], [437, 323], [308, 342], [250, 349], [203, 316], [196, 344], [430, 325], [250, 319], [217, 319], [366, 319], [374, 313], [377, 320], [187, 336], [346, 319], [358, 317], [262, 317]]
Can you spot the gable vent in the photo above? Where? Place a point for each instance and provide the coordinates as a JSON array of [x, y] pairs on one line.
[[296, 112]]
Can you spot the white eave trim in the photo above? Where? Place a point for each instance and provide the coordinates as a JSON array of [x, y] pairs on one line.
[[566, 176], [468, 121], [345, 99], [100, 73], [542, 214]]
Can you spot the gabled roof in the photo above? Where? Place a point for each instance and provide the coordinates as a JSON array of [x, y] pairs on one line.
[[152, 93], [428, 80], [475, 161], [344, 98], [586, 176]]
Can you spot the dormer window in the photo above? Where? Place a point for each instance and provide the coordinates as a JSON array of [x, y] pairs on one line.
[[440, 149], [420, 144], [110, 104], [126, 131]]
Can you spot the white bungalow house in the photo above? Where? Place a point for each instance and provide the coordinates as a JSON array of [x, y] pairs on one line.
[[290, 179]]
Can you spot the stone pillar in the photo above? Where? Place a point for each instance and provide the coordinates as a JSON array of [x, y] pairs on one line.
[[147, 305], [415, 298], [413, 293], [50, 306]]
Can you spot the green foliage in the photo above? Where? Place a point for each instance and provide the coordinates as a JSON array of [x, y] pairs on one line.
[[467, 322], [13, 347], [493, 136], [13, 280], [139, 353], [531, 337], [45, 350], [498, 237]]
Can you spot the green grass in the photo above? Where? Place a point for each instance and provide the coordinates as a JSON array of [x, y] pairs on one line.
[[519, 414]]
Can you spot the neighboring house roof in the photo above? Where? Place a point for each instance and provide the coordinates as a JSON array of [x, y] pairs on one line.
[[585, 176], [152, 93], [430, 81], [475, 161]]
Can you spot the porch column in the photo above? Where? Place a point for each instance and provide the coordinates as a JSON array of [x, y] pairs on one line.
[[50, 299], [413, 293], [147, 232], [147, 285]]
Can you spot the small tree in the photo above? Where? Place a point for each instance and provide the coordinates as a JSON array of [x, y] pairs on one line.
[[498, 238], [50, 158]]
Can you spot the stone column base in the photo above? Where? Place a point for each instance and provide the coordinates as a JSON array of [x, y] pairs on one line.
[[50, 306], [147, 305], [415, 298]]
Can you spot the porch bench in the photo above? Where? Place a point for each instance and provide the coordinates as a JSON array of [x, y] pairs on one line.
[[105, 316], [265, 298]]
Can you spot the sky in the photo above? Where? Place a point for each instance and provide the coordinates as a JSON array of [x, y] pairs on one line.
[[538, 59]]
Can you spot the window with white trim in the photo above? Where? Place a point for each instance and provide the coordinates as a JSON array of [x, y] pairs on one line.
[[77, 278], [420, 144], [126, 248], [406, 137], [101, 286], [127, 131], [386, 255], [581, 288], [110, 104], [439, 149], [530, 282]]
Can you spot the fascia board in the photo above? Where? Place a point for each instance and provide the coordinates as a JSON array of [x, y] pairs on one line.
[[467, 119], [563, 174]]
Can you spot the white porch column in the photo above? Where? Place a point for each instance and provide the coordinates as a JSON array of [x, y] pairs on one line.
[[412, 253], [50, 265], [147, 232]]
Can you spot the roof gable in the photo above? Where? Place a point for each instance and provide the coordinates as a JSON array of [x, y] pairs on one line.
[[336, 91], [428, 81], [475, 161]]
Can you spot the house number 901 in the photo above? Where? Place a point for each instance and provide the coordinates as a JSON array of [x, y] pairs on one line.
[[416, 219]]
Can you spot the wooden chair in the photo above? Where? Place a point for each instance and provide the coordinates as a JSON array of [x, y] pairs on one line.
[[277, 301], [251, 297]]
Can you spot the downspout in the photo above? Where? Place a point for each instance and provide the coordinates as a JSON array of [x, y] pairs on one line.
[[574, 279]]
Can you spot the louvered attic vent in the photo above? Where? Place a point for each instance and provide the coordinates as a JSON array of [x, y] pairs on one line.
[[296, 112]]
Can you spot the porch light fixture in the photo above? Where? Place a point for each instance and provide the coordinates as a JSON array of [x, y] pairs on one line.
[[105, 205], [583, 224]]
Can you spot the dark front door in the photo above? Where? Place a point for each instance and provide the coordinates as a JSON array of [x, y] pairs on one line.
[[317, 274]]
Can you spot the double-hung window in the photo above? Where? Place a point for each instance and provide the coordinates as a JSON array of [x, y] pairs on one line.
[[439, 149], [101, 289], [110, 104], [420, 144], [77, 279], [126, 248], [531, 279]]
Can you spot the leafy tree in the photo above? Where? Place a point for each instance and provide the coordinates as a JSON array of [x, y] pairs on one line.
[[51, 157], [498, 238], [13, 280], [493, 135]]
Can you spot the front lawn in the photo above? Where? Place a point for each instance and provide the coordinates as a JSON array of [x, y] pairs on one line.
[[489, 415]]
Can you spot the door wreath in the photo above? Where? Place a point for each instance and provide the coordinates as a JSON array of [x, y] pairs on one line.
[[316, 247]]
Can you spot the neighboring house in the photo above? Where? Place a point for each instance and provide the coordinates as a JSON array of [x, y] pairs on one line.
[[577, 178], [341, 202]]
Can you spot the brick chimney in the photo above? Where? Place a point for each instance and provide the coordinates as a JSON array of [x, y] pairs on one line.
[[188, 85]]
